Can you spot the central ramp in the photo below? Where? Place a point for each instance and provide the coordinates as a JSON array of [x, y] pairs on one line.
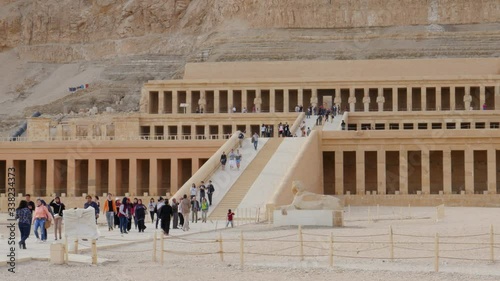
[[239, 189]]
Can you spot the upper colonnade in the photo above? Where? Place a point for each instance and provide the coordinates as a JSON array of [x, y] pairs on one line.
[[363, 86]]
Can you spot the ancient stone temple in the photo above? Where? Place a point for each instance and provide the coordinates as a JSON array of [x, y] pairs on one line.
[[420, 131]]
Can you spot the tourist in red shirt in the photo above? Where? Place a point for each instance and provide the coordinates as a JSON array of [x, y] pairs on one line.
[[229, 218]]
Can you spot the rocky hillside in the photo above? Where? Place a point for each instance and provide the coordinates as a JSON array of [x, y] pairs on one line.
[[47, 46]]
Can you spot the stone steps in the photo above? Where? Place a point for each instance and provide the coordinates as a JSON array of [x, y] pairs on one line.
[[240, 188]]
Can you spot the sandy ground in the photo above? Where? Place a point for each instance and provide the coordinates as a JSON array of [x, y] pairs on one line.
[[274, 253]]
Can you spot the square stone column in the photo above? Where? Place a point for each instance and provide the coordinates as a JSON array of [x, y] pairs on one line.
[[207, 131], [395, 102], [175, 102], [469, 170], [423, 98], [153, 177], [10, 164], [314, 97], [230, 94], [195, 165], [339, 172], [174, 175], [220, 131], [381, 172], [352, 99], [482, 97], [447, 171], [30, 176], [244, 100], [452, 98], [300, 97], [193, 131], [161, 105], [71, 187], [92, 189], [360, 172], [409, 100], [112, 176], [497, 97], [492, 171], [132, 177], [403, 172], [189, 98], [467, 104], [272, 102], [438, 98], [216, 101], [286, 100], [426, 173]]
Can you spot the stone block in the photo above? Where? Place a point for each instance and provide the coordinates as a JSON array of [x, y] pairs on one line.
[[308, 217], [57, 253]]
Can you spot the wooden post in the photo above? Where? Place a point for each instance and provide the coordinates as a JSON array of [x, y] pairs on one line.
[[409, 211], [66, 248], [492, 243], [221, 249], [331, 249], [76, 246], [301, 243], [378, 211], [94, 251], [436, 253], [241, 250], [162, 245], [258, 215], [154, 246], [391, 243]]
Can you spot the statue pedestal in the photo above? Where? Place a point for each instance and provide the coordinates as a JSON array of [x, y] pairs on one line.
[[309, 217]]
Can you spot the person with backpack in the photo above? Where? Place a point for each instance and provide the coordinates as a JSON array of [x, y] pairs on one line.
[[255, 140], [241, 137]]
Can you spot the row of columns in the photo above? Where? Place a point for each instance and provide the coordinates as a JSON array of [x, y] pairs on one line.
[[220, 130], [352, 100], [92, 178], [425, 162]]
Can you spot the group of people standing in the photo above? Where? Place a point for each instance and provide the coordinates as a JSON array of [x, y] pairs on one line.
[[41, 215]]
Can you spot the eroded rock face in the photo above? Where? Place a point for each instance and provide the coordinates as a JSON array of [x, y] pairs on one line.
[[37, 22]]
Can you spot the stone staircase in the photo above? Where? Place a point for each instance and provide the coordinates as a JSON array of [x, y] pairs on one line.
[[240, 188]]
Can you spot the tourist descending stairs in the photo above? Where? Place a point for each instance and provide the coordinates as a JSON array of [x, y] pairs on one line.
[[239, 189]]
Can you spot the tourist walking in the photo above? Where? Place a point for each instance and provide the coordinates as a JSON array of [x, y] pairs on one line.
[[255, 140], [223, 160], [47, 224], [160, 204], [40, 216], [92, 204], [193, 191], [136, 201], [230, 216], [166, 213], [140, 215], [175, 213], [186, 208], [58, 208], [109, 210], [232, 162], [117, 218], [210, 191], [124, 215], [241, 137], [204, 210], [237, 158], [202, 190], [195, 208], [24, 217], [151, 208], [31, 204], [179, 209]]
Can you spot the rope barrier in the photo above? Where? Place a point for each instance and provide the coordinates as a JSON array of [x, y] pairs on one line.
[[345, 236], [125, 251], [464, 236], [272, 238], [469, 249], [128, 240], [189, 253], [464, 259], [173, 238], [284, 249], [414, 249], [377, 258], [413, 235]]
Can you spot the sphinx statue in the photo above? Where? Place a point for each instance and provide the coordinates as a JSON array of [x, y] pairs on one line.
[[305, 200]]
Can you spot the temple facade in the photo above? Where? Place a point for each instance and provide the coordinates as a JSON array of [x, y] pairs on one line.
[[414, 129]]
